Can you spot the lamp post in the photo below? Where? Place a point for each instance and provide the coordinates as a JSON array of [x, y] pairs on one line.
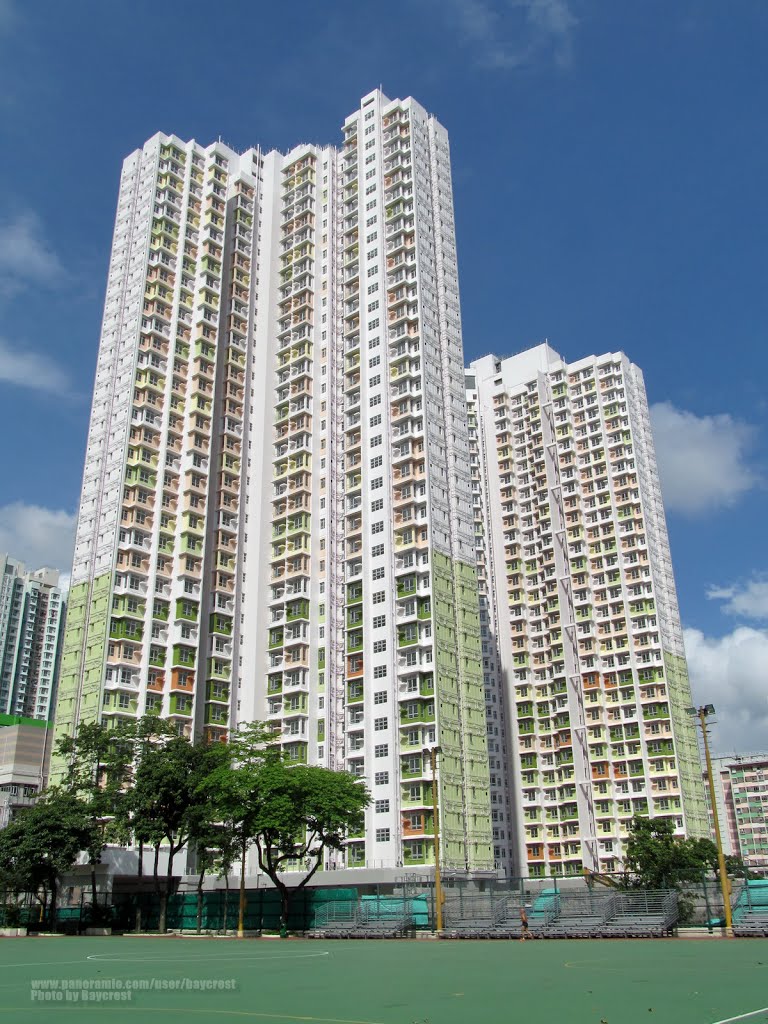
[[702, 714], [433, 752]]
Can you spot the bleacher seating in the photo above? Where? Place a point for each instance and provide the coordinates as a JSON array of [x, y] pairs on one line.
[[750, 910]]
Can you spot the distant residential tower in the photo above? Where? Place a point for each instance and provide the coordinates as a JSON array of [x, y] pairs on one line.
[[32, 610]]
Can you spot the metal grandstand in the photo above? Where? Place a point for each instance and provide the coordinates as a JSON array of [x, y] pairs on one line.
[[551, 914]]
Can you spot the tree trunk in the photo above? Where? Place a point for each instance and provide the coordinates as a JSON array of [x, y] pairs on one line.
[[168, 879], [93, 890], [241, 909], [226, 899], [200, 901], [139, 874], [53, 905], [162, 897], [285, 907]]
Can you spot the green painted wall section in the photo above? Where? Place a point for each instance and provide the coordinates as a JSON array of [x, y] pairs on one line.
[[465, 810], [687, 745], [82, 660]]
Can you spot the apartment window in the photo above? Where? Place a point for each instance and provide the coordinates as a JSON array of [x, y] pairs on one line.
[[379, 724], [382, 835], [379, 621], [374, 362], [380, 697], [373, 306], [374, 400], [377, 574], [382, 806], [381, 750], [378, 527], [377, 483], [381, 779], [376, 441], [379, 646], [376, 461], [379, 671], [375, 421], [377, 550]]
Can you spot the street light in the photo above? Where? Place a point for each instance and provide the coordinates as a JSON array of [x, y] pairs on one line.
[[702, 714], [433, 752]]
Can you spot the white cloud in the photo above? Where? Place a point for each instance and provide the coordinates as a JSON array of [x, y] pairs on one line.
[[26, 256], [38, 536], [511, 33], [730, 672], [702, 459], [32, 370], [745, 600]]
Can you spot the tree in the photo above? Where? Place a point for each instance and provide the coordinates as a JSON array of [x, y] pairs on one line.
[[43, 841], [98, 765], [233, 787], [168, 803], [301, 811], [656, 858]]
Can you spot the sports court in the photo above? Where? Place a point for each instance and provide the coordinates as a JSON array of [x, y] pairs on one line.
[[383, 982]]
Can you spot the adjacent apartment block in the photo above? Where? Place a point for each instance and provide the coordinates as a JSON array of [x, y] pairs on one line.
[[32, 610], [741, 792], [24, 756], [585, 677], [276, 514]]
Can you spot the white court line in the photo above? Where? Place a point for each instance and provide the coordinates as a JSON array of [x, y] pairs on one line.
[[742, 1016], [107, 958], [97, 958]]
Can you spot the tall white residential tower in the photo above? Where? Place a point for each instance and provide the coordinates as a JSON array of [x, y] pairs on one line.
[[586, 683], [275, 521]]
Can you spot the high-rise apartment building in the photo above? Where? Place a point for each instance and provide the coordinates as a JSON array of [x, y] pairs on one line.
[[586, 684], [741, 793], [32, 610], [275, 520]]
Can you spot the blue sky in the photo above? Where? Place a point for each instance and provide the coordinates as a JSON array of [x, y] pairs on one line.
[[610, 165]]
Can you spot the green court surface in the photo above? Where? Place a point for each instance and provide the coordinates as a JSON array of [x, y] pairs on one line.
[[149, 980]]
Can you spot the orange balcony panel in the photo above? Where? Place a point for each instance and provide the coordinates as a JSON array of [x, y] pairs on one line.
[[182, 680]]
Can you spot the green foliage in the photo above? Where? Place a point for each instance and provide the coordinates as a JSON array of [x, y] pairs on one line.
[[43, 841], [142, 781], [304, 810], [658, 859], [301, 811], [165, 800]]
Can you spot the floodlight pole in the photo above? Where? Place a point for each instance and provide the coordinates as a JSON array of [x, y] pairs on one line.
[[701, 714], [433, 752]]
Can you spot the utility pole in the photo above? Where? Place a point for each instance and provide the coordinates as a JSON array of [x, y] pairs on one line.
[[702, 714]]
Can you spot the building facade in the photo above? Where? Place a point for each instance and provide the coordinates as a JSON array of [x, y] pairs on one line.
[[24, 757], [741, 794], [32, 611], [586, 683], [275, 520]]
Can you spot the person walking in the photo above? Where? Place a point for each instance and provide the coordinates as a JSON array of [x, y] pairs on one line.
[[526, 932]]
